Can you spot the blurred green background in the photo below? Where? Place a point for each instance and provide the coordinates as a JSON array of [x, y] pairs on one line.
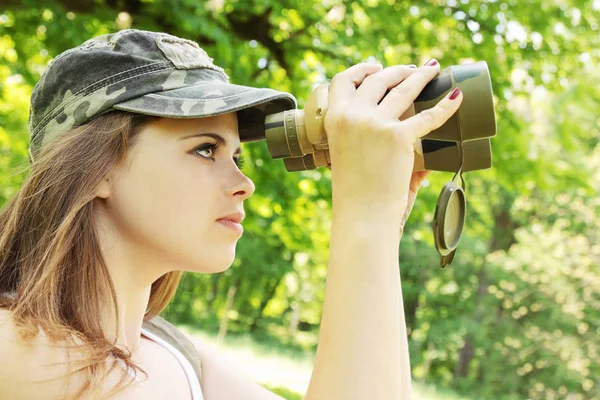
[[517, 315]]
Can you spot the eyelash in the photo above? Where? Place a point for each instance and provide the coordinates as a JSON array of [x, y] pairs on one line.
[[214, 147]]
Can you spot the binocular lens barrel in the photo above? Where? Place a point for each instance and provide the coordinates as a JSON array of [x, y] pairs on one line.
[[281, 132]]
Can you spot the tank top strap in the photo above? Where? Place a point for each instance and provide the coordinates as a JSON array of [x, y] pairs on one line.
[[174, 337]]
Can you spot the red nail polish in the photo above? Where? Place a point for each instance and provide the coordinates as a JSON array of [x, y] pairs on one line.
[[454, 94], [431, 62]]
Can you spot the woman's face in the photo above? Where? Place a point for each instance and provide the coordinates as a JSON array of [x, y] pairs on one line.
[[178, 181]]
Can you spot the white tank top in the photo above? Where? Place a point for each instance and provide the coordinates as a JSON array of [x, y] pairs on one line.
[[185, 364]]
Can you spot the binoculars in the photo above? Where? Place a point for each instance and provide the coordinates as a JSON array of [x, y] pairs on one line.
[[460, 145], [299, 137]]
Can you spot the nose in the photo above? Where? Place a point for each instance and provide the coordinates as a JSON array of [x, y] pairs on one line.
[[240, 185]]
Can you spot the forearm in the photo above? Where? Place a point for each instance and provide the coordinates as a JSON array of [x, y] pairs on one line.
[[363, 350]]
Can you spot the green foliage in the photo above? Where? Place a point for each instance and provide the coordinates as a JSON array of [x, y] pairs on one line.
[[517, 313]]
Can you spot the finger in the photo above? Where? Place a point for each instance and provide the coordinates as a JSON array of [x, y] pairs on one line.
[[421, 175], [404, 94], [430, 119], [375, 86], [417, 180], [343, 85]]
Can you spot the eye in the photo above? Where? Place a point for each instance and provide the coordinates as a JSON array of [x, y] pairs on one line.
[[208, 150]]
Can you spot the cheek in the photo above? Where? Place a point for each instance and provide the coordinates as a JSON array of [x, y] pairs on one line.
[[172, 211], [157, 197]]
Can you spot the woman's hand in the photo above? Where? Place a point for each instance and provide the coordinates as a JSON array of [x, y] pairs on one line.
[[371, 149]]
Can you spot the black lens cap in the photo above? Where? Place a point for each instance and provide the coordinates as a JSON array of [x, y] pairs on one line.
[[449, 218]]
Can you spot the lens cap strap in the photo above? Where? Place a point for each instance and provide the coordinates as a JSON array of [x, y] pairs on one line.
[[450, 214], [459, 173]]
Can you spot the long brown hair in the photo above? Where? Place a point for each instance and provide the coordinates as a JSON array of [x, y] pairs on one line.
[[52, 273]]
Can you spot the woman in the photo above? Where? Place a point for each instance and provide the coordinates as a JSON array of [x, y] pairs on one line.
[[134, 178]]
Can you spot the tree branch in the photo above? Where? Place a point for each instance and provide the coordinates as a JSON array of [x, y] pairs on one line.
[[330, 53], [257, 27]]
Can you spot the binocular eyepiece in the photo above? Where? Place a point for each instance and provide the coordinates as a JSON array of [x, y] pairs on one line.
[[460, 145]]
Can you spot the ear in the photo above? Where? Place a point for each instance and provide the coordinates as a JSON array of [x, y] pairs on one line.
[[104, 189]]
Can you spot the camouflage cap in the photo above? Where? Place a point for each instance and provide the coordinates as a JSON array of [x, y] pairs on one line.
[[147, 73]]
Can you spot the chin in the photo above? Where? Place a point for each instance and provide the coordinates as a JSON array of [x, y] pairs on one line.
[[212, 266], [223, 268]]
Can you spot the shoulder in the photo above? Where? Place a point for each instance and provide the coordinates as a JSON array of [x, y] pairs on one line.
[[33, 369], [21, 360], [18, 352], [223, 379]]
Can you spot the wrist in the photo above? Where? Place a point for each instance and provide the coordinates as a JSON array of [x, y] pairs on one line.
[[381, 211], [380, 226]]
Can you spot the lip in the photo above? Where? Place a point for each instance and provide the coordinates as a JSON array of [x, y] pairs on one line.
[[236, 217], [232, 225], [233, 221]]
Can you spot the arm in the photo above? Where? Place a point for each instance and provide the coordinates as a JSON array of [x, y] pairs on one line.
[[363, 348]]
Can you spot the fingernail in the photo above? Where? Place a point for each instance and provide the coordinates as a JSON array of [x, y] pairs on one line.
[[431, 62], [454, 94]]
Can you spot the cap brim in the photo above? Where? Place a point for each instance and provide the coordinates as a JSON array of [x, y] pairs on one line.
[[215, 98]]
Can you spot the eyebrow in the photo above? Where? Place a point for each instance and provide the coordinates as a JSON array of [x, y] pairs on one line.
[[218, 138]]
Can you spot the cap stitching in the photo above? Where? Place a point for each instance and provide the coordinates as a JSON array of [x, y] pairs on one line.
[[121, 32], [187, 98]]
